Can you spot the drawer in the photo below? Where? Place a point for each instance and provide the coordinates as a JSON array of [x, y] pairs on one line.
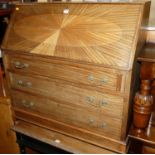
[[85, 118], [69, 94], [58, 140], [76, 73]]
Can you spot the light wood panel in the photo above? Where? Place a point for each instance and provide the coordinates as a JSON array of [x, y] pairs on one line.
[[85, 32], [8, 139]]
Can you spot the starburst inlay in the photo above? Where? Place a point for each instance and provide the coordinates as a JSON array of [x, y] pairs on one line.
[[91, 33]]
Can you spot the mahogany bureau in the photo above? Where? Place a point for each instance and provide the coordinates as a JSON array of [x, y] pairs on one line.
[[71, 72]]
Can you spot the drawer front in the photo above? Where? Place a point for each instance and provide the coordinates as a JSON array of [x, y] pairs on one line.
[[84, 74], [84, 118], [59, 140], [70, 94]]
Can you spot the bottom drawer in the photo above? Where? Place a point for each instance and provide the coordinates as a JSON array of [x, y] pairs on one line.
[[58, 140], [89, 119], [71, 131]]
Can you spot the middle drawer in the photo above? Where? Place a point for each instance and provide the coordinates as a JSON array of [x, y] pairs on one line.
[[66, 115], [66, 93]]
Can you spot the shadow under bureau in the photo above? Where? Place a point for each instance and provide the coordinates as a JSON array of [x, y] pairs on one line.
[[71, 72]]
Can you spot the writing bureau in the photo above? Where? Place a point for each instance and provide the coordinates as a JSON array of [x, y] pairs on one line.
[[71, 71]]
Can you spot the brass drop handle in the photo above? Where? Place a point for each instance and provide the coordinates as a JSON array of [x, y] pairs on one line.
[[103, 103], [103, 125], [104, 80], [66, 11], [20, 65], [91, 121], [27, 104], [90, 77], [90, 99], [24, 84]]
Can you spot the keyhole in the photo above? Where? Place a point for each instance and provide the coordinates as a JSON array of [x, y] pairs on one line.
[[66, 11]]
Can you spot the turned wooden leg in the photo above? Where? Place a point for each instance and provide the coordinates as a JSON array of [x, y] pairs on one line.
[[143, 102]]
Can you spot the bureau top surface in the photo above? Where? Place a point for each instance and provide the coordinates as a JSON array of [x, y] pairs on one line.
[[101, 33]]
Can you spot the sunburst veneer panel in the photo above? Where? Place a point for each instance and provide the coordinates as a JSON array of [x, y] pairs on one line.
[[89, 32]]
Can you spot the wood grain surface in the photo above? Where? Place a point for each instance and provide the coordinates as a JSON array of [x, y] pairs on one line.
[[82, 116], [88, 32], [8, 138], [58, 140], [71, 67], [69, 130], [41, 104], [92, 75], [65, 92]]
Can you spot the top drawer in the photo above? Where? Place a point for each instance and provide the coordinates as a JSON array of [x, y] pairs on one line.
[[72, 72]]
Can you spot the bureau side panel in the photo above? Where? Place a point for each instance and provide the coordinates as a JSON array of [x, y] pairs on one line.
[[132, 77]]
